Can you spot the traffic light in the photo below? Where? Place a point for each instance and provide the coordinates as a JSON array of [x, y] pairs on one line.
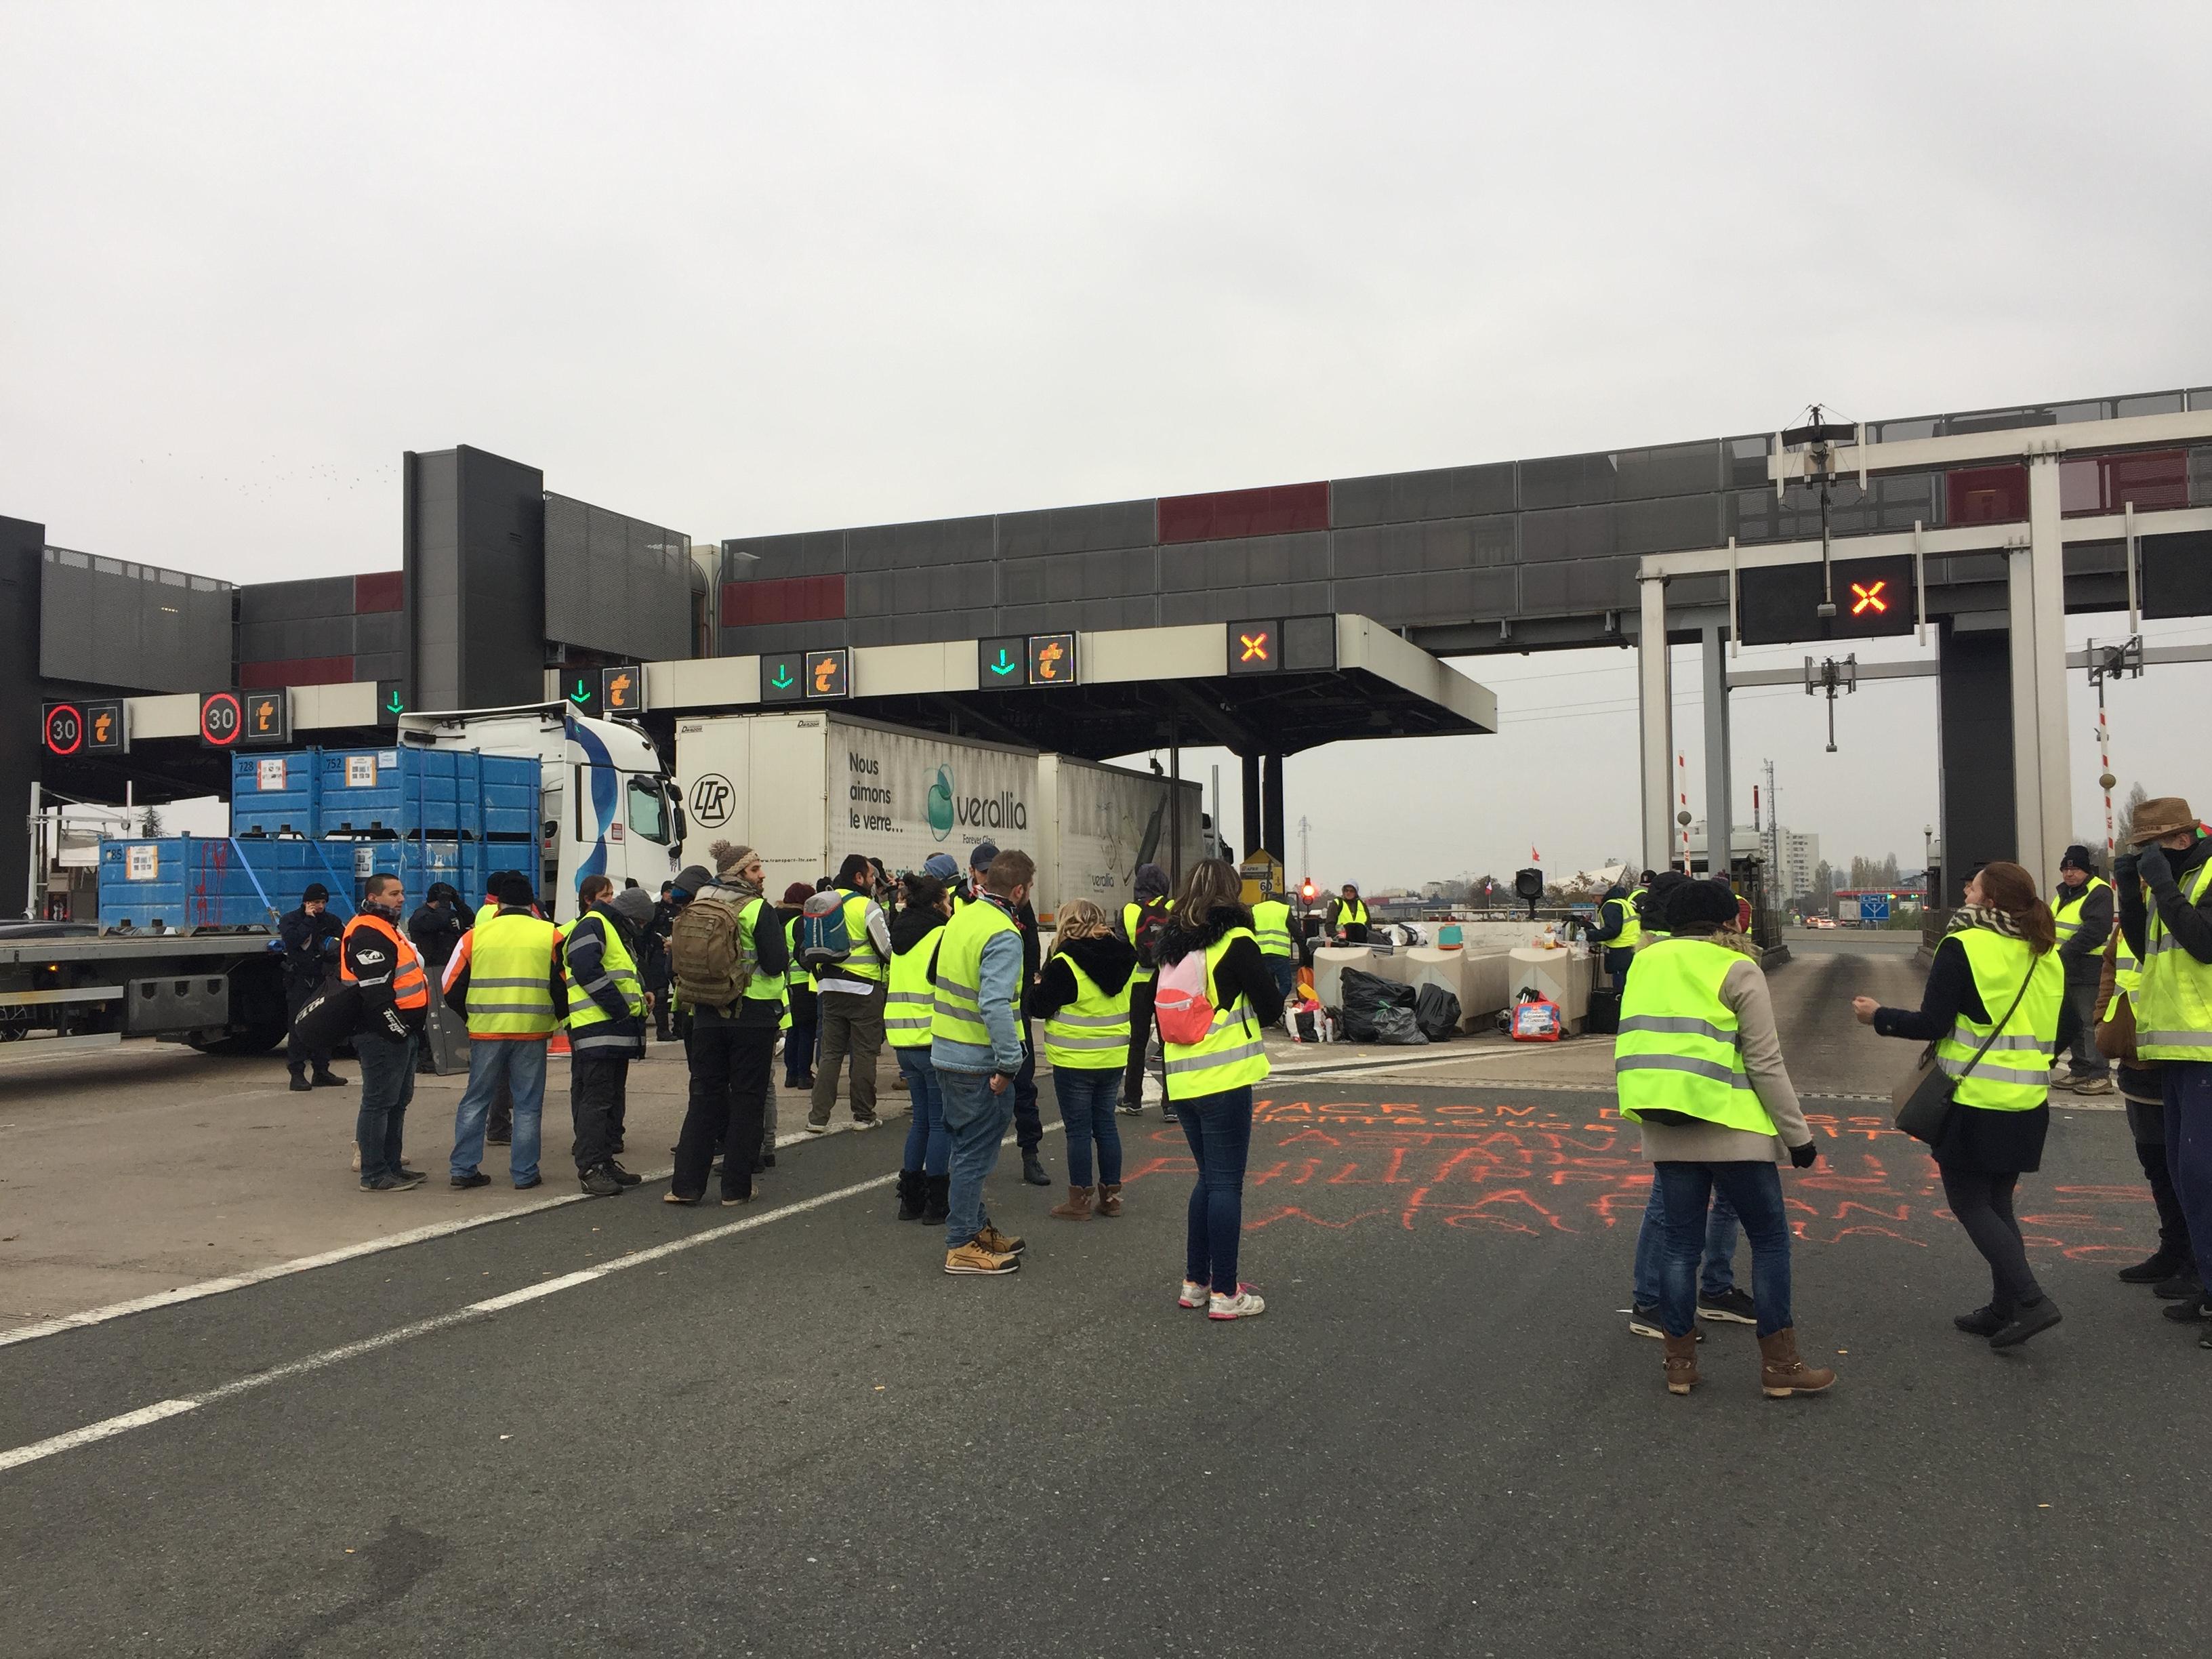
[[1254, 647], [1306, 892]]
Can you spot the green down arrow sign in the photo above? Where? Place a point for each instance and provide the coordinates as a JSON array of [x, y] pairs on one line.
[[580, 696], [783, 682], [1006, 664]]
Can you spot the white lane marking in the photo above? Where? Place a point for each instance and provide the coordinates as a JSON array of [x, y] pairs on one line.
[[330, 1258], [92, 1431], [155, 1413]]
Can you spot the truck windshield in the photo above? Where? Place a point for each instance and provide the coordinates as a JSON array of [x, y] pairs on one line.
[[648, 809]]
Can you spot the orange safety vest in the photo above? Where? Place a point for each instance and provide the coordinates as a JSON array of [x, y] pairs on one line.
[[410, 988]]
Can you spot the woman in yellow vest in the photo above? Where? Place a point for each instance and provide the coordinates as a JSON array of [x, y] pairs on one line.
[[1996, 989], [1698, 1065], [925, 1180], [1082, 995], [1210, 1083]]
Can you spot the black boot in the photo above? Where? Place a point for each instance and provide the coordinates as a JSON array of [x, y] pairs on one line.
[[2162, 1263], [299, 1083], [910, 1196], [937, 1202], [1033, 1167]]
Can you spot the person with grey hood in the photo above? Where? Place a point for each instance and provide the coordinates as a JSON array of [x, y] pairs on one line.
[[606, 1025], [1143, 918]]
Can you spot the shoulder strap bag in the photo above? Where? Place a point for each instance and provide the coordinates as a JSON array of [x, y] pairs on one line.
[[1924, 1101]]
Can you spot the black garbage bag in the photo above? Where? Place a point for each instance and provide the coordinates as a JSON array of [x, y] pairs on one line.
[[1365, 997], [1435, 1011], [1397, 1024]]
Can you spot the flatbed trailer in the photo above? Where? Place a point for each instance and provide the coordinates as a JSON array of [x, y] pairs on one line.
[[220, 990]]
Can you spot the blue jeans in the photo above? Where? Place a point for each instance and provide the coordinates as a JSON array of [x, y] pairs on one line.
[[1219, 1130], [1651, 1249], [387, 1084], [519, 1064], [928, 1148], [1286, 975], [799, 1045], [976, 1122], [2188, 1085], [1755, 1192], [1086, 1096]]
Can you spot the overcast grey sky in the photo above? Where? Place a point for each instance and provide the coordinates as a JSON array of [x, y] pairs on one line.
[[746, 268]]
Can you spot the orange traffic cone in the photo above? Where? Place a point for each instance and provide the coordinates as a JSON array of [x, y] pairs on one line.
[[560, 1043]]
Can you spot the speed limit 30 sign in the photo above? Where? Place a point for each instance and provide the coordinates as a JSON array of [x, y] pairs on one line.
[[223, 718]]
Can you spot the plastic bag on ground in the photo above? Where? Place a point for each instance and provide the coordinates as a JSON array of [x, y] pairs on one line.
[[1397, 1025], [1365, 996], [1435, 1011]]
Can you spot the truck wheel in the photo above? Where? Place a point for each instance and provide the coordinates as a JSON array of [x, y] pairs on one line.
[[255, 1040]]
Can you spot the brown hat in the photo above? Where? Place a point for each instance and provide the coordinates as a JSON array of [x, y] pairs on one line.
[[729, 857], [2163, 817]]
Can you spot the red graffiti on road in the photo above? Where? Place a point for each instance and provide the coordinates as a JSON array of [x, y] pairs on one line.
[[1554, 1168]]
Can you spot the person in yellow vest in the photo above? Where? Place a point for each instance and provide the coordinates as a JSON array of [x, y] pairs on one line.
[[732, 1046], [975, 1049], [1210, 1083], [1618, 929], [916, 932], [606, 1029], [1348, 915], [1271, 925], [1995, 1006], [1697, 1068], [800, 1031], [849, 1001], [1083, 996], [2170, 1270], [395, 1001], [507, 972], [2081, 908], [2165, 883], [1142, 918]]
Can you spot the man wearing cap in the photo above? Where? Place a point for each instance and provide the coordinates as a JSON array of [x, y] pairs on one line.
[[310, 935], [2082, 905], [2164, 883], [849, 999]]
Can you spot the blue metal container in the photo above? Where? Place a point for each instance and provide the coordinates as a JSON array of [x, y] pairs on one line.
[[276, 794]]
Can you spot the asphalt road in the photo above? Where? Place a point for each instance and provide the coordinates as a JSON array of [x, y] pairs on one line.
[[801, 1438]]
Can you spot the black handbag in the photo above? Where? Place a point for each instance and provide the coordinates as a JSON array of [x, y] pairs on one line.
[[1926, 1098]]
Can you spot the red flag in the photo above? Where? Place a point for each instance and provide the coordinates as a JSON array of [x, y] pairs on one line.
[[1534, 857]]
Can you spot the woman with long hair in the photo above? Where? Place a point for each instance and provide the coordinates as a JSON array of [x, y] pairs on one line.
[[915, 931], [1082, 995], [1210, 1082], [1995, 1008]]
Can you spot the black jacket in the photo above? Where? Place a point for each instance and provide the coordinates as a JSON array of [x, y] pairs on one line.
[[586, 953], [436, 930], [2083, 955], [310, 949], [2163, 880], [1108, 960], [1241, 971], [909, 927]]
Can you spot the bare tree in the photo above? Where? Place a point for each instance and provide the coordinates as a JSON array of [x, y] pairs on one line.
[[2124, 821]]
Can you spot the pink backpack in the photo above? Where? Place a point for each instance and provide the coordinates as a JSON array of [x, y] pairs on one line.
[[1180, 1001]]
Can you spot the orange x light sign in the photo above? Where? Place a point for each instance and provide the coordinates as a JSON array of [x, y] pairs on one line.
[[1255, 647], [1868, 597]]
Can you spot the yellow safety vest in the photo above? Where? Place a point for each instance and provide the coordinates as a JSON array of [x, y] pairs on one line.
[[910, 1009], [958, 1007], [1679, 1047], [1631, 929], [1271, 925], [759, 987], [585, 1017], [794, 976], [1090, 1034], [2014, 1074], [1231, 1055], [866, 962], [2173, 1004], [1353, 915], [510, 962], [2127, 976], [2066, 907]]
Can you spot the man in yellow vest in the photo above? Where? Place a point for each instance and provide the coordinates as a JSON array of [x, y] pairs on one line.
[[2165, 884], [849, 1001], [2082, 905], [507, 970], [975, 1049], [1271, 925], [606, 1029], [1348, 915]]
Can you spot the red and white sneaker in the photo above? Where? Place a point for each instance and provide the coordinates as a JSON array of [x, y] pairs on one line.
[[1193, 1295], [1243, 1305]]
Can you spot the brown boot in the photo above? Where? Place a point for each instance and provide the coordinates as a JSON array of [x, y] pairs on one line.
[[1782, 1373], [1109, 1198], [1078, 1205], [1682, 1363]]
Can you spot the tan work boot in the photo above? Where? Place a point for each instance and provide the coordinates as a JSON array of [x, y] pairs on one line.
[[1782, 1373], [1000, 1243], [1682, 1363], [974, 1257], [1109, 1198], [1076, 1207]]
